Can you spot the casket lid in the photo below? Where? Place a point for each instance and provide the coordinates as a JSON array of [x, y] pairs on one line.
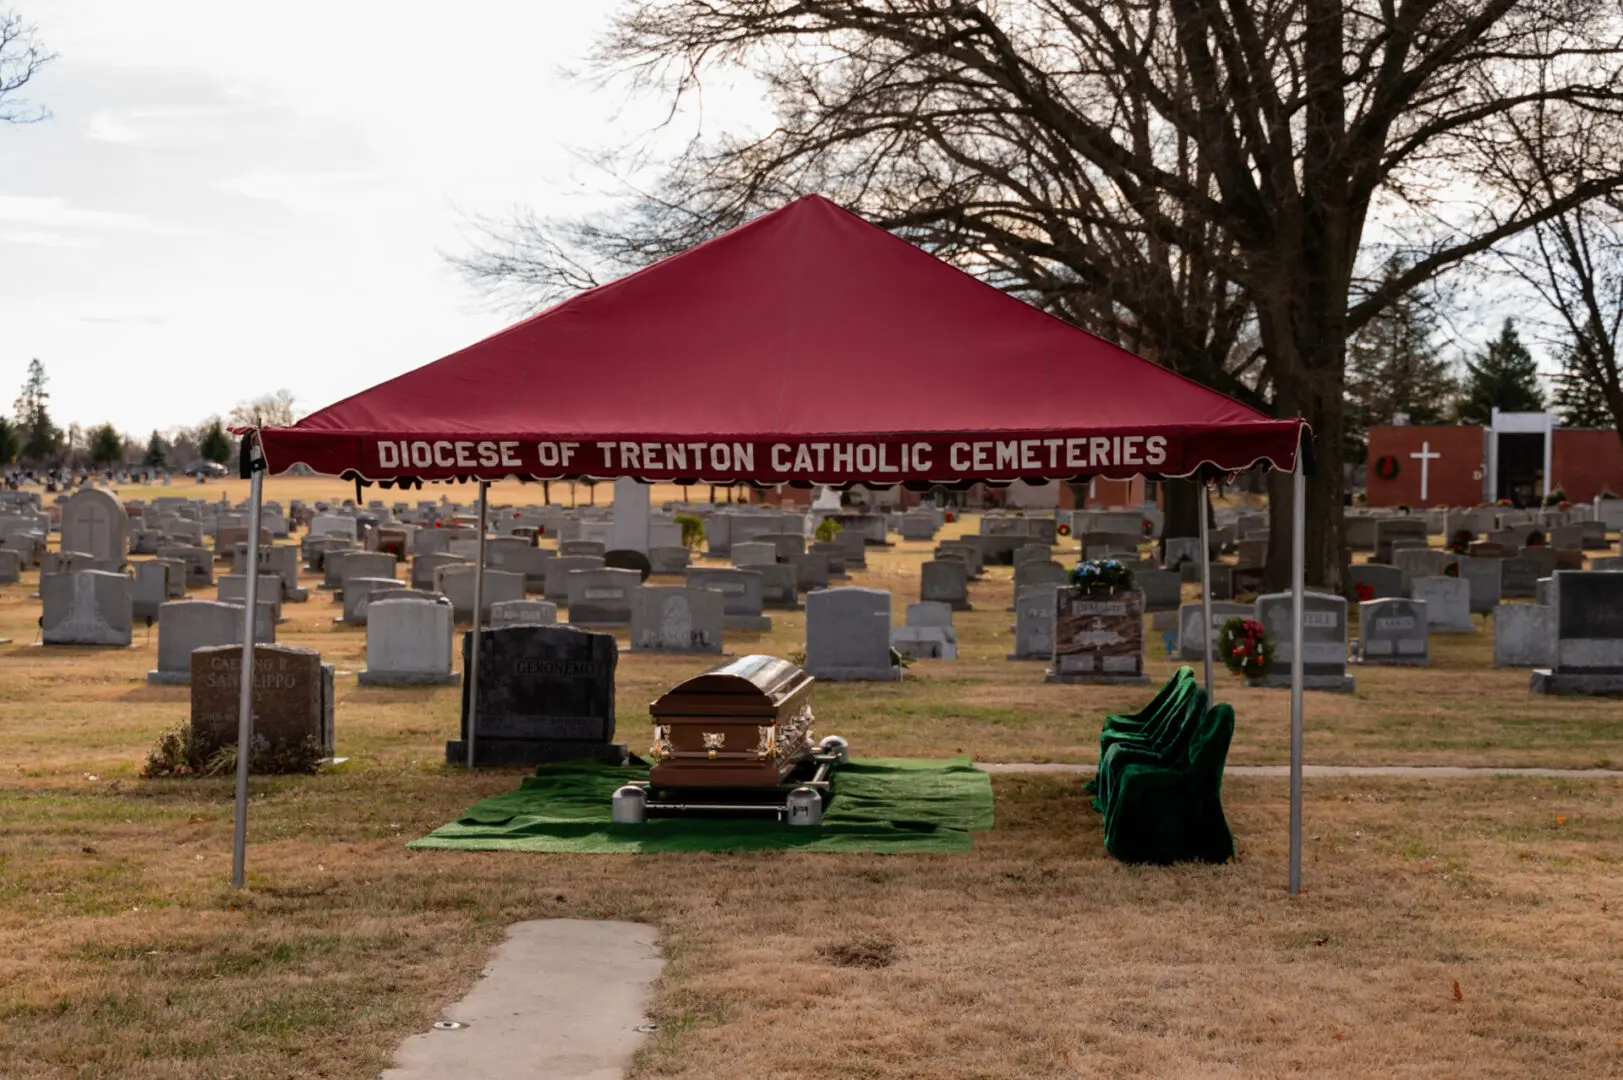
[[748, 686]]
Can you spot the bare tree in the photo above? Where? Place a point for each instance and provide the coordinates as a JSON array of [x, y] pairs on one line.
[[1574, 260], [1078, 152], [270, 410], [22, 55]]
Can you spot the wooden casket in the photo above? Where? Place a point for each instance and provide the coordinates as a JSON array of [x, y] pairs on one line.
[[745, 724]]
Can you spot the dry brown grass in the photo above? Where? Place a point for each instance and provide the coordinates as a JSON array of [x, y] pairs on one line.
[[1034, 956], [122, 953]]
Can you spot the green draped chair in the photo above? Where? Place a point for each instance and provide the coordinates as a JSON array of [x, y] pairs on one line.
[[1171, 810], [1164, 744], [1171, 698]]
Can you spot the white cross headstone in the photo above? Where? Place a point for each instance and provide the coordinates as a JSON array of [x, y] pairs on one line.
[[1426, 456]]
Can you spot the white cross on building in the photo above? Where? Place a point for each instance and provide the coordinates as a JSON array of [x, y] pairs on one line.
[[1426, 456]]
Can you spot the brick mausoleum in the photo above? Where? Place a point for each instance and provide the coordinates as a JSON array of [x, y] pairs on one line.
[[1510, 459]]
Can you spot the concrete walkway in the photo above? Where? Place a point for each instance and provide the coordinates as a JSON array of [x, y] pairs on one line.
[[1412, 772], [560, 1000]]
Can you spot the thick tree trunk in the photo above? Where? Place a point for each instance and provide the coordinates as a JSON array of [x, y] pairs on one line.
[[1323, 554], [1182, 511]]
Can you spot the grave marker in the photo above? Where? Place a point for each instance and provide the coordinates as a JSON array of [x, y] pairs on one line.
[[546, 693]]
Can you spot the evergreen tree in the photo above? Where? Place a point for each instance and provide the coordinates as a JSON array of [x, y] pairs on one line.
[[10, 443], [213, 443], [1580, 385], [106, 445], [1504, 376], [157, 455], [40, 439], [1394, 366]]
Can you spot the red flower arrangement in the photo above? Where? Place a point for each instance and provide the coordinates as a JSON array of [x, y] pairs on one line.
[[1063, 529], [948, 517], [1246, 647], [1365, 590]]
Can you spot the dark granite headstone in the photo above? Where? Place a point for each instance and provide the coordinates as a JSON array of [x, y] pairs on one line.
[[546, 693], [292, 696], [1245, 579], [1590, 607], [627, 559], [1518, 577]]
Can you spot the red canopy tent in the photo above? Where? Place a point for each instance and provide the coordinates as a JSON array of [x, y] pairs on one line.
[[805, 346]]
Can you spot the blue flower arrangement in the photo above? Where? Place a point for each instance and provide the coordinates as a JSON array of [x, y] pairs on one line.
[[1102, 575]]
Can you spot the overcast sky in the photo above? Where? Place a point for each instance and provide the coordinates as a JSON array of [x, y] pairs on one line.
[[236, 198]]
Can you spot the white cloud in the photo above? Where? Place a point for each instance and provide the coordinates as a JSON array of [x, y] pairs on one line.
[[134, 127], [52, 212], [47, 239], [335, 192]]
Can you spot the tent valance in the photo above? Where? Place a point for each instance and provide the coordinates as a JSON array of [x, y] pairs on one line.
[[806, 346]]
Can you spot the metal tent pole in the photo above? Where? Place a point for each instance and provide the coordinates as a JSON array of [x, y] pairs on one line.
[[1205, 586], [472, 674], [1298, 553], [254, 464]]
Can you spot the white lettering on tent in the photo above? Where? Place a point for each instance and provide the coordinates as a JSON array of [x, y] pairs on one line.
[[421, 456], [608, 454], [842, 457], [488, 457], [982, 456], [1075, 453], [1008, 455], [676, 456], [780, 457], [884, 458], [1155, 450], [921, 456], [388, 455], [1129, 450], [867, 458], [1053, 451], [630, 455], [510, 456], [721, 458], [958, 455], [442, 455], [1028, 454], [1098, 452], [464, 454], [803, 458], [744, 457], [650, 456], [547, 453]]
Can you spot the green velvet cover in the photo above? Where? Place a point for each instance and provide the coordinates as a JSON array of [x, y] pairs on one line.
[[880, 805], [1172, 810], [1171, 697]]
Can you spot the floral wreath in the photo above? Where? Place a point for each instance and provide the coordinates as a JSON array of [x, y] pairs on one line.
[[1246, 647], [1101, 574], [1063, 529], [1365, 590], [1387, 467]]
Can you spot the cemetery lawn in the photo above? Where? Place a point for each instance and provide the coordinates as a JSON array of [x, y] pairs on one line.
[[123, 953], [1462, 927]]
